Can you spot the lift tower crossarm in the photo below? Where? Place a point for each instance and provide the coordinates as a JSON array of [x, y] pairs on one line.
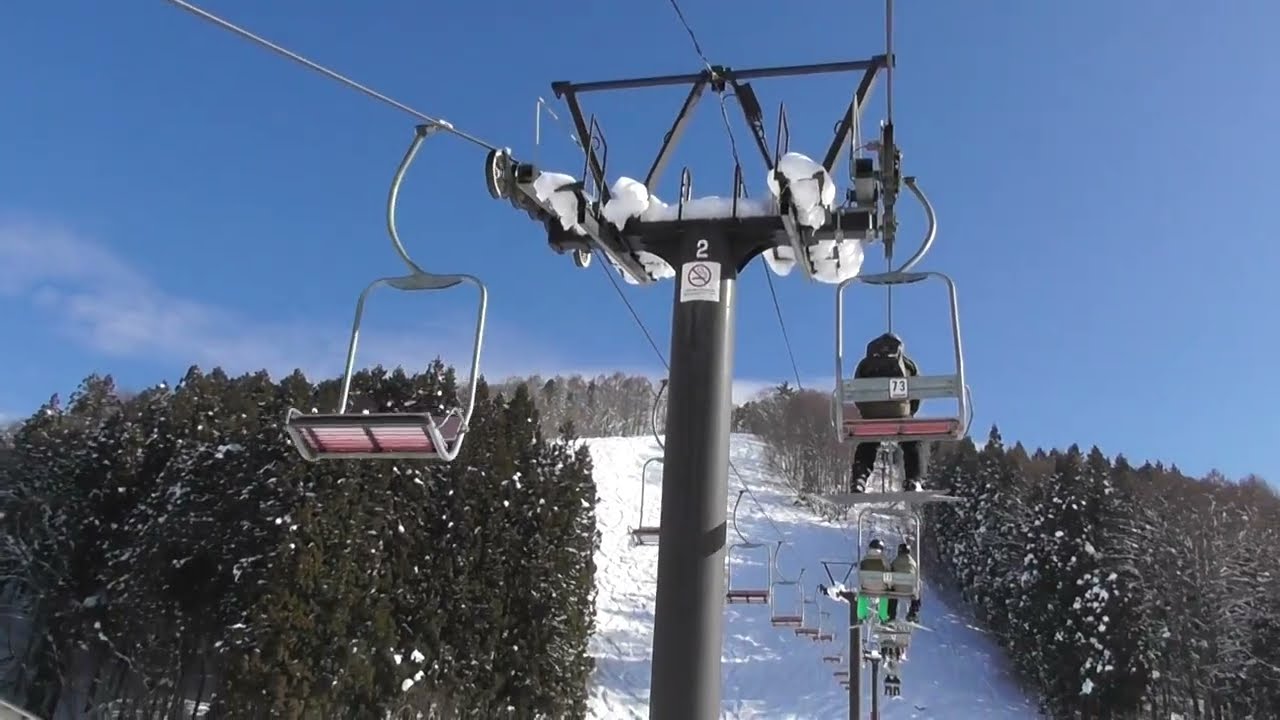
[[844, 130], [673, 135], [718, 77], [561, 86]]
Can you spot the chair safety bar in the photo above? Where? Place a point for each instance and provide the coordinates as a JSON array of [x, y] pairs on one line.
[[845, 419], [393, 435]]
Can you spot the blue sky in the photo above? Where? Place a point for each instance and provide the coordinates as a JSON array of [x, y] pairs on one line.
[[170, 194]]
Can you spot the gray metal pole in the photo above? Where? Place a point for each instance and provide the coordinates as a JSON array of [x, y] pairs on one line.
[[875, 690], [855, 662], [689, 609]]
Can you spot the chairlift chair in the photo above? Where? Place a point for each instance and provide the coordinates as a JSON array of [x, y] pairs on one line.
[[851, 427], [901, 586], [847, 421], [743, 595], [823, 635], [785, 620], [806, 630], [643, 534], [392, 435]]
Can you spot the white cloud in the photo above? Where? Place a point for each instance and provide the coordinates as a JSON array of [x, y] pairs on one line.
[[100, 301]]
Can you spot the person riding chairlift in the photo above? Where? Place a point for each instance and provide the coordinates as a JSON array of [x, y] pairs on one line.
[[886, 358], [905, 563]]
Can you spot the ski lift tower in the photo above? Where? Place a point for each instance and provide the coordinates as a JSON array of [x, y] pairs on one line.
[[705, 250]]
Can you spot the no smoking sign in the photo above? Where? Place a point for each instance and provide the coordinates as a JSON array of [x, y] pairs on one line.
[[700, 281]]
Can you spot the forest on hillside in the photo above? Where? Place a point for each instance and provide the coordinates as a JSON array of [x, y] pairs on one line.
[[167, 554], [166, 551], [1117, 591]]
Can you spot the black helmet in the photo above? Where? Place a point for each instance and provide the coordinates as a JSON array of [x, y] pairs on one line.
[[886, 345], [875, 544], [904, 548]]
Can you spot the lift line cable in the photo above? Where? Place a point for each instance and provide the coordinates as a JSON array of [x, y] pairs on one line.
[[697, 46], [634, 315], [332, 75], [724, 111], [786, 339]]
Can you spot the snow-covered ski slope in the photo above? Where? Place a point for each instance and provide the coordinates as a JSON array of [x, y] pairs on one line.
[[952, 673]]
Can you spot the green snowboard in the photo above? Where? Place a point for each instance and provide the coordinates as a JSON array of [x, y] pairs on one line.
[[864, 608]]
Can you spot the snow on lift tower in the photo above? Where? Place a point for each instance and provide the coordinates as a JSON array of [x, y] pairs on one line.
[[741, 595], [648, 534], [573, 211], [393, 435]]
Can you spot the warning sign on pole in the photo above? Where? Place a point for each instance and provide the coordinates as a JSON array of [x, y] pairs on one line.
[[700, 280]]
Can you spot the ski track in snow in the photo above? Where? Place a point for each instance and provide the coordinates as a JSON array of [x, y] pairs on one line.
[[953, 673]]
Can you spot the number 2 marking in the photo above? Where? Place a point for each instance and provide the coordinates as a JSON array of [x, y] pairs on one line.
[[897, 388], [702, 246]]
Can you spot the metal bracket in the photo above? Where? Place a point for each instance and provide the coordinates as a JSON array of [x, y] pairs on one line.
[[844, 128], [718, 78]]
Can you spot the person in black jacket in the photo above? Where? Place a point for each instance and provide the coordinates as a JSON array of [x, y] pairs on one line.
[[885, 358]]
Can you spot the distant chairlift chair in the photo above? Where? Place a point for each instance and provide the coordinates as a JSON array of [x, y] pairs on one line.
[[744, 595], [392, 435], [786, 619], [642, 533], [835, 658], [823, 634], [648, 533], [806, 630]]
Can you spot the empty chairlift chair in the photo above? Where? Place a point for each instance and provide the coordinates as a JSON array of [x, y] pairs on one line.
[[835, 658], [645, 533], [739, 594], [786, 617], [805, 629], [850, 426], [824, 629], [392, 435]]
